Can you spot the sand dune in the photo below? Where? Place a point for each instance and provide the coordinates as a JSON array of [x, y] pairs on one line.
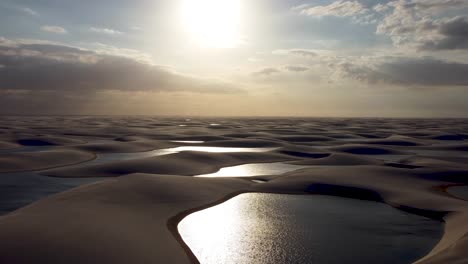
[[8, 145], [48, 141], [407, 164], [395, 141], [340, 159], [145, 203], [118, 221], [436, 162], [25, 161], [245, 143], [183, 163], [124, 147]]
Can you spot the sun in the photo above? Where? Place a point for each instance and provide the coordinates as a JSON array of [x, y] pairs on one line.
[[212, 23]]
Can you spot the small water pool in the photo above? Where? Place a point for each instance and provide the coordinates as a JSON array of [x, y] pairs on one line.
[[274, 228], [254, 169], [459, 191], [23, 188], [103, 158]]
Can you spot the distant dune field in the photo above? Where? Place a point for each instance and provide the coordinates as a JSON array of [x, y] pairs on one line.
[[113, 189]]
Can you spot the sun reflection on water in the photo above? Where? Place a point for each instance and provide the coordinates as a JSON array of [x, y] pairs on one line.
[[223, 241], [255, 169], [273, 228], [103, 158], [220, 149], [189, 141]]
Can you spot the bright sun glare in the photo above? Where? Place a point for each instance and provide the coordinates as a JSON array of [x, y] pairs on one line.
[[213, 23]]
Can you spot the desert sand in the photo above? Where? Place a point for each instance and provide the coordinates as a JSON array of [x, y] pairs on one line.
[[131, 215]]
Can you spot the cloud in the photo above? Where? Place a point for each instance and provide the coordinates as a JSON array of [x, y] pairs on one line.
[[449, 35], [28, 11], [400, 71], [425, 25], [54, 29], [297, 52], [135, 28], [254, 59], [296, 68], [122, 52], [303, 53], [380, 8], [266, 72], [338, 8], [288, 74], [66, 69], [360, 12], [414, 24], [107, 31], [434, 6]]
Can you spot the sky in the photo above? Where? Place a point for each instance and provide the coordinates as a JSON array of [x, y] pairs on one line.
[[318, 58]]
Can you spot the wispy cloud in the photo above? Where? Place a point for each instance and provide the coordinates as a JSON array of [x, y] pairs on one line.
[[296, 68], [29, 11], [54, 29], [107, 31], [266, 72], [135, 28], [338, 8], [297, 52], [122, 52]]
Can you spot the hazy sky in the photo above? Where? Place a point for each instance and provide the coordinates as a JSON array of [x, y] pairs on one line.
[[402, 58]]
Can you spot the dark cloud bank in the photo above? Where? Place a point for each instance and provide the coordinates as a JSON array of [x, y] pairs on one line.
[[52, 78], [454, 35], [51, 67], [48, 78], [408, 71]]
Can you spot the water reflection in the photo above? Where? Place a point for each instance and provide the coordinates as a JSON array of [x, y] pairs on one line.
[[255, 169], [188, 141], [221, 149], [440, 153], [259, 181], [273, 228], [23, 188], [388, 157], [26, 149], [459, 191], [104, 158]]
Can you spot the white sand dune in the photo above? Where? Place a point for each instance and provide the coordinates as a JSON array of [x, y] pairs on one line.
[[27, 161], [132, 217]]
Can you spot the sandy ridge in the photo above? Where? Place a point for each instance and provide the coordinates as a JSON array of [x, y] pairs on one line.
[[89, 217]]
